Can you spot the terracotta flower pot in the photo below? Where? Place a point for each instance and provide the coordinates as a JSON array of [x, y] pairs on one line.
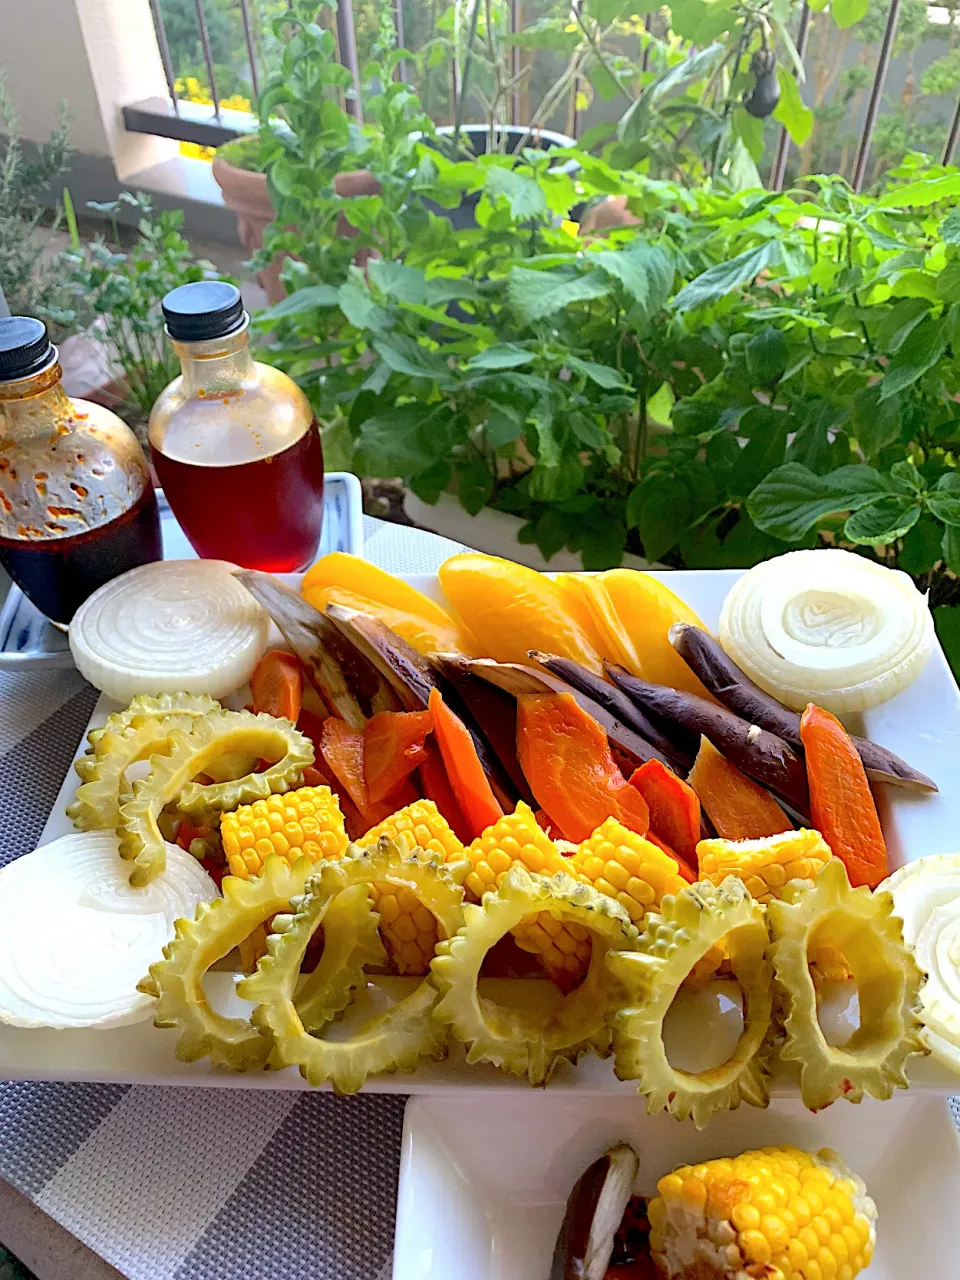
[[247, 195]]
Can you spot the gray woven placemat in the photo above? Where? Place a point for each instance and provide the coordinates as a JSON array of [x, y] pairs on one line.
[[193, 1184]]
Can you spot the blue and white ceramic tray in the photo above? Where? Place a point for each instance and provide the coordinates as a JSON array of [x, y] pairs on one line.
[[28, 641]]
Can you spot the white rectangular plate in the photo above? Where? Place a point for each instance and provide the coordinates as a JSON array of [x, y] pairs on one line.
[[483, 1188], [922, 724]]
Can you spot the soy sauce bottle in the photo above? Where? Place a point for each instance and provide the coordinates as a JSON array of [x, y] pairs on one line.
[[234, 442], [77, 507]]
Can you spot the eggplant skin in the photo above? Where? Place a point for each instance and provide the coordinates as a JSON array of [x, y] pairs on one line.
[[759, 754], [595, 1209], [720, 674]]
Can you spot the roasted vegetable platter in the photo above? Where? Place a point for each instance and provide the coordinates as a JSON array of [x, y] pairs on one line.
[[833, 924]]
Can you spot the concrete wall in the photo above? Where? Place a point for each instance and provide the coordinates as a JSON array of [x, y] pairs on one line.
[[95, 54]]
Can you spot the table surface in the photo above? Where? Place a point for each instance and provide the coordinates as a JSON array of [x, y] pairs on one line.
[[171, 1183]]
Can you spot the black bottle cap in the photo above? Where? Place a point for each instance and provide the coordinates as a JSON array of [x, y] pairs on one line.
[[25, 348], [203, 310]]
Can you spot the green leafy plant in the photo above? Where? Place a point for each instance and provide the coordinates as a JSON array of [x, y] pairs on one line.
[[29, 286], [123, 290]]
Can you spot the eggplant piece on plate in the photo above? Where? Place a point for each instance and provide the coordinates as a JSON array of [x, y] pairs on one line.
[[595, 1209], [349, 684], [720, 674]]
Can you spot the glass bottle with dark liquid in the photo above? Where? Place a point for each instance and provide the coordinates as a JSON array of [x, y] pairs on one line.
[[76, 504], [234, 442]]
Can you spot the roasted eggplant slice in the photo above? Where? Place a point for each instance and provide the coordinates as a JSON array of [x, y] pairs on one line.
[[595, 1209], [349, 684], [734, 688], [758, 753]]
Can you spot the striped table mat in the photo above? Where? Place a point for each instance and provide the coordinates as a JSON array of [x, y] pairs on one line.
[[193, 1184]]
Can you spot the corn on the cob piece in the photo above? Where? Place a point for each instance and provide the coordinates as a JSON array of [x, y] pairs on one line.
[[780, 1213], [767, 864], [517, 839], [302, 823], [407, 927], [625, 866]]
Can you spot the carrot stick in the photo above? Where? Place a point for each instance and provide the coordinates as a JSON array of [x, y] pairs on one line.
[[467, 778], [842, 807], [277, 684], [436, 787], [674, 807], [738, 807]]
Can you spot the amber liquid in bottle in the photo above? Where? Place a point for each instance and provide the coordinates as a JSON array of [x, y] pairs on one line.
[[77, 507], [238, 453]]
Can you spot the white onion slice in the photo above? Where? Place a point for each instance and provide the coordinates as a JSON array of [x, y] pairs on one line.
[[177, 626], [829, 627], [75, 938], [926, 896]]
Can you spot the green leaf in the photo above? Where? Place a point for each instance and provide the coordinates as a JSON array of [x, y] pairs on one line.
[[918, 353], [474, 486], [724, 277], [534, 295], [406, 355], [767, 432], [551, 532], [524, 194], [922, 547], [951, 548], [898, 322], [601, 543], [502, 355], [873, 425], [846, 13], [601, 374], [430, 484], [950, 227], [791, 111], [663, 517], [882, 521], [589, 432], [357, 304], [920, 194], [556, 481], [309, 299], [944, 500], [403, 441], [793, 499], [645, 270], [906, 478], [767, 356], [607, 11], [405, 284], [502, 428], [946, 619]]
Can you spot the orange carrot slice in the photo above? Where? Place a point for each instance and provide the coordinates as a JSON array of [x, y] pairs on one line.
[[393, 748], [738, 807], [277, 684], [436, 787], [674, 807], [467, 778], [842, 807], [342, 748]]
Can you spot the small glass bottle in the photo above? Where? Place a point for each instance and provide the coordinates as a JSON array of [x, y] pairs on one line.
[[234, 442], [76, 504]]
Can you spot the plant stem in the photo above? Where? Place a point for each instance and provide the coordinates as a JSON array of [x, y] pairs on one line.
[[598, 52], [464, 79]]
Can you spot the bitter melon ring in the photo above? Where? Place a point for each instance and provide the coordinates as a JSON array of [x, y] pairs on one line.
[[211, 737], [672, 942], [861, 926], [530, 1042], [396, 1040], [140, 731], [350, 941]]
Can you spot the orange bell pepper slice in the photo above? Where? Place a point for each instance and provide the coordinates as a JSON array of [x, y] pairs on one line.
[[393, 746], [471, 788], [674, 808], [277, 685], [566, 759], [738, 807], [842, 807], [436, 787], [342, 748]]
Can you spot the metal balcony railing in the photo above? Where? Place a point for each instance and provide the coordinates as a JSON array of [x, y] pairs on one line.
[[211, 124]]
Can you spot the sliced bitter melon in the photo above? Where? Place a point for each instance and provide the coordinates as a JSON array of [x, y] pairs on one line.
[[671, 943], [350, 942], [211, 737], [396, 1040], [136, 733], [530, 1042], [861, 927]]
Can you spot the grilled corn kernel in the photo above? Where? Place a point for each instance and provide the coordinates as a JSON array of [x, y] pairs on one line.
[[408, 929], [625, 866], [306, 822], [767, 864], [731, 1218]]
